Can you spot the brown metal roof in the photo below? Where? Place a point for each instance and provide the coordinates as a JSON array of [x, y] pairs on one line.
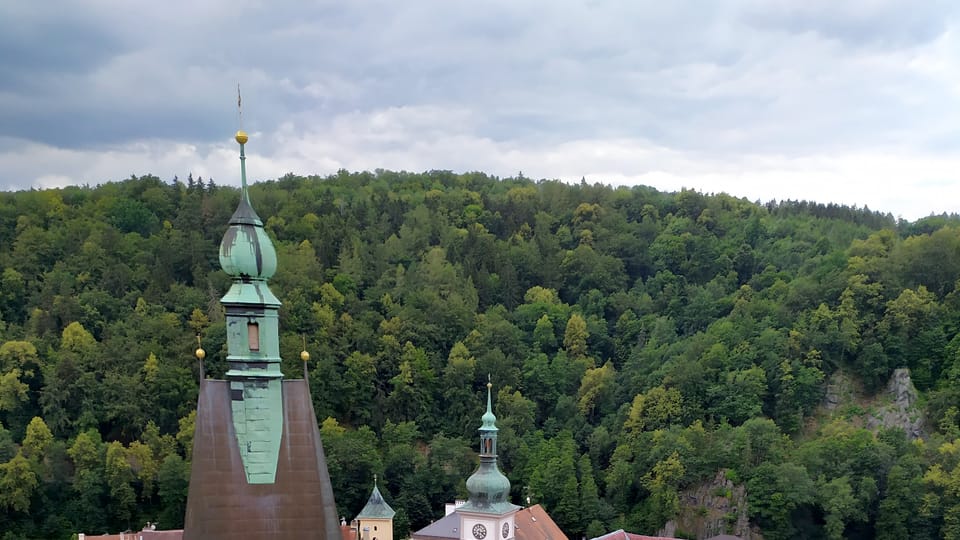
[[222, 505]]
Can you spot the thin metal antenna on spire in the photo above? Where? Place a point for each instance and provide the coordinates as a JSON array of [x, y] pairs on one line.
[[305, 357], [241, 139], [489, 403], [200, 354], [239, 109]]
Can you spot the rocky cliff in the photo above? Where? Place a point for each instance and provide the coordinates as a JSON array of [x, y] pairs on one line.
[[713, 508], [900, 410]]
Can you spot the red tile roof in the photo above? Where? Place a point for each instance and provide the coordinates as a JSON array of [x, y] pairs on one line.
[[140, 535], [533, 523], [348, 533]]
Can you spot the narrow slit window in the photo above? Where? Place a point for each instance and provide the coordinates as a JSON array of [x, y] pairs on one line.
[[253, 336]]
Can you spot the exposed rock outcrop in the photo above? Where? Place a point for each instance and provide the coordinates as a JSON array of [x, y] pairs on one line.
[[839, 390], [711, 509], [901, 412]]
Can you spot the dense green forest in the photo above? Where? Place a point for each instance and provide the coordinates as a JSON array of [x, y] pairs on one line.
[[638, 341]]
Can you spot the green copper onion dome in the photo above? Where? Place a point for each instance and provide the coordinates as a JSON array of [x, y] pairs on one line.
[[489, 489], [246, 251]]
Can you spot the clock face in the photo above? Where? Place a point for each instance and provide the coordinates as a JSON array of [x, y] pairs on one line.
[[479, 531], [506, 530]]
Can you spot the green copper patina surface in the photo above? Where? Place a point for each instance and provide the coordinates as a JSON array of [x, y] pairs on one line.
[[255, 418], [246, 251], [376, 507], [488, 487], [253, 347]]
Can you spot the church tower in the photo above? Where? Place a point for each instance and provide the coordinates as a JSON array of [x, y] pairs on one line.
[[253, 346], [376, 518], [488, 513], [259, 469]]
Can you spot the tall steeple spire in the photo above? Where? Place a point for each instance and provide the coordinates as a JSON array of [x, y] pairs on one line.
[[253, 343], [259, 469]]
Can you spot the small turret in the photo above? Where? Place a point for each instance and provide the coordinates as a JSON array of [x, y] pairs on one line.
[[377, 516]]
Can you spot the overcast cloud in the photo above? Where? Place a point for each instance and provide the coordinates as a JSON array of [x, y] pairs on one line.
[[855, 102]]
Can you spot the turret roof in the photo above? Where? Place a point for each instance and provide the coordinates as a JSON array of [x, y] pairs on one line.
[[376, 507]]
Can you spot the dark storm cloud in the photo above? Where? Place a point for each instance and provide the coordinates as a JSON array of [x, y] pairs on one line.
[[31, 53], [666, 70], [637, 87]]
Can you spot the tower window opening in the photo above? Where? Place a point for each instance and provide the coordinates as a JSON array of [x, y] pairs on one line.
[[253, 336]]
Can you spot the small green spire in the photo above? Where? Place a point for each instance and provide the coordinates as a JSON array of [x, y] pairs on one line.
[[488, 418]]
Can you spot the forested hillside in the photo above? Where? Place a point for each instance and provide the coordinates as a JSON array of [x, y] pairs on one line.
[[638, 343]]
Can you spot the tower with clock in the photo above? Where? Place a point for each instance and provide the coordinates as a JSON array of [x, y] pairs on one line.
[[488, 514]]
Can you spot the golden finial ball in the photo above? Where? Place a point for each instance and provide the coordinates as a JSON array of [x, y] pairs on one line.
[[241, 137], [201, 354], [489, 385], [305, 356]]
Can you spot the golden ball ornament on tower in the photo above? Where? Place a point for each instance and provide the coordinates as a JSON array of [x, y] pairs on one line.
[[200, 353], [241, 137], [305, 356]]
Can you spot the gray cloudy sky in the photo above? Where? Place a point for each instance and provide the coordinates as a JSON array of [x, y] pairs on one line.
[[855, 101]]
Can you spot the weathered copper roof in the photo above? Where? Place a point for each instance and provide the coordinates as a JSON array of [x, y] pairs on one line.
[[246, 251], [376, 507], [222, 505]]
